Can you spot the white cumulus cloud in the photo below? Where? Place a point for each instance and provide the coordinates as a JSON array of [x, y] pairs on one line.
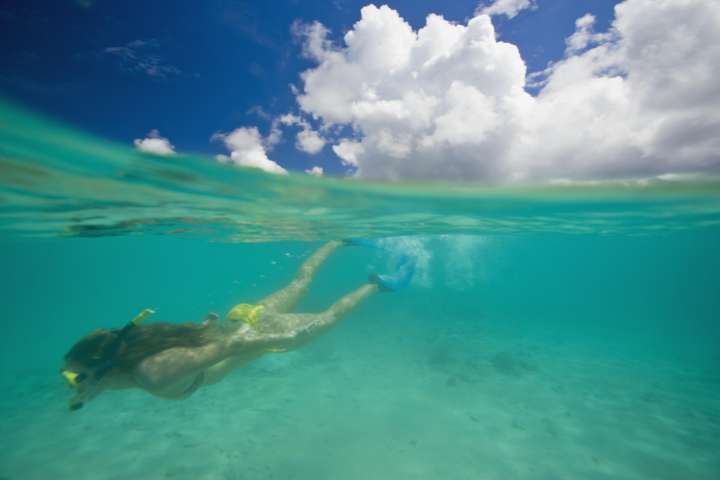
[[449, 100], [509, 8], [155, 144], [585, 35], [349, 151], [307, 139], [316, 171], [247, 150]]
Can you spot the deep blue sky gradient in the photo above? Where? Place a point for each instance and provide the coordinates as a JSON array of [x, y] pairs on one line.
[[231, 56]]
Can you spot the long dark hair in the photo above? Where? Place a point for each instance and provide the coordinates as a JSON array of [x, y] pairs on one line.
[[138, 344]]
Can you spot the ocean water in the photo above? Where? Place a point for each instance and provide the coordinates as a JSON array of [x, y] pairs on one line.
[[556, 332]]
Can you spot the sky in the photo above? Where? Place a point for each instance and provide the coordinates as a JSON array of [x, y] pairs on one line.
[[496, 91]]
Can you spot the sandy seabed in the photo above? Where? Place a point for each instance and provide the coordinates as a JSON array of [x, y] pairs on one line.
[[440, 404]]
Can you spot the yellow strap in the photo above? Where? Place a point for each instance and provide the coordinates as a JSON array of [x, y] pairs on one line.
[[142, 316], [71, 377]]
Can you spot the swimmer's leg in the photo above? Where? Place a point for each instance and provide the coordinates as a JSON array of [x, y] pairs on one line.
[[293, 331], [301, 328], [284, 300], [341, 308]]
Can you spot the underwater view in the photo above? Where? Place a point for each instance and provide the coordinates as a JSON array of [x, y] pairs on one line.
[[475, 240], [559, 332]]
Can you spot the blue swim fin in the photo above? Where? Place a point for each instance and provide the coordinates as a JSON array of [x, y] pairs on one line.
[[361, 242], [400, 279]]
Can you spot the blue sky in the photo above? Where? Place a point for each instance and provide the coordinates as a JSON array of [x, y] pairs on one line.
[[190, 69]]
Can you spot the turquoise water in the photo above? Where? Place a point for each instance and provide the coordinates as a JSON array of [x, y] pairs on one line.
[[557, 332]]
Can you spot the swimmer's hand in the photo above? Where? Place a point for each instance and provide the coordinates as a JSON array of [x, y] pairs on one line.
[[210, 318]]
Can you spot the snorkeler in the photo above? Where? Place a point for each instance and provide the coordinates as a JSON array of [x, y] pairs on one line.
[[175, 360]]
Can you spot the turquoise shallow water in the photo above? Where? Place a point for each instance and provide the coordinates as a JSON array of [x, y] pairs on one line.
[[559, 332]]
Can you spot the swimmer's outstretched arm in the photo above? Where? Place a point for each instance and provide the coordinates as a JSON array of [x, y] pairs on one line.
[[284, 300]]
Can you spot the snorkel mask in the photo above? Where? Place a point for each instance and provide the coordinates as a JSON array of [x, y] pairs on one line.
[[76, 380]]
